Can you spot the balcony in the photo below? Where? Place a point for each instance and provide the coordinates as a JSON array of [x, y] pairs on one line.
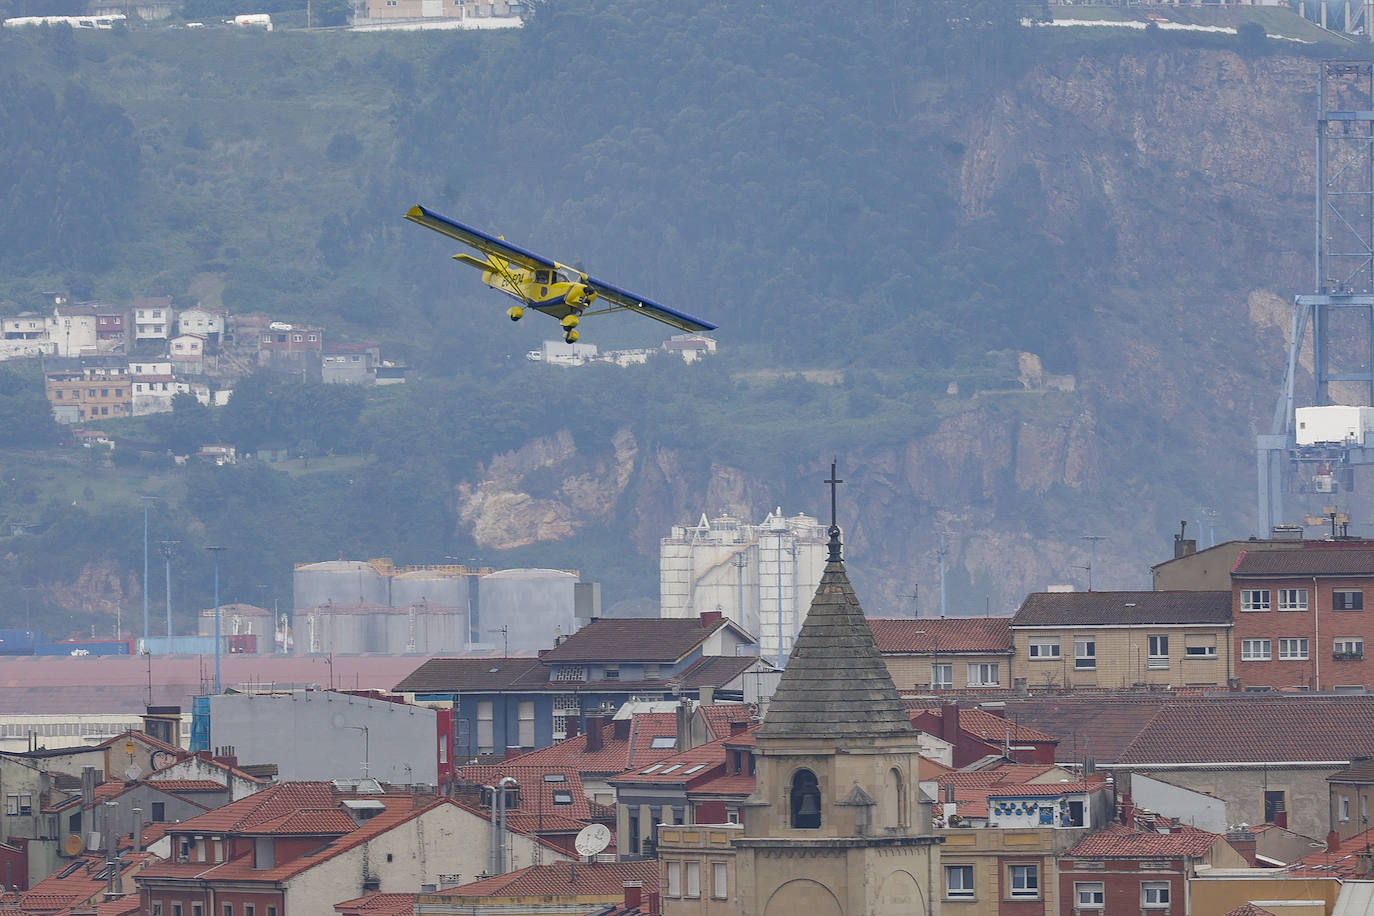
[[1347, 656]]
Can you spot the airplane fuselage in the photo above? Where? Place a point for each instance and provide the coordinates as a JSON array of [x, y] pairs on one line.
[[547, 291]]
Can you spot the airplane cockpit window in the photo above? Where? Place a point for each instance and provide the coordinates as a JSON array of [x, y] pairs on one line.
[[541, 276]]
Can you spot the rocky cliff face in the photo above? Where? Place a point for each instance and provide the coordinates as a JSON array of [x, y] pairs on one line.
[[1202, 163]]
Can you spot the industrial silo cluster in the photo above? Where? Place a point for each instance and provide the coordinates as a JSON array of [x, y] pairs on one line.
[[376, 607]]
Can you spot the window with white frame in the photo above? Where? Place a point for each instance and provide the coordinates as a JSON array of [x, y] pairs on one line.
[[1347, 599], [941, 677], [983, 675], [1292, 599], [486, 735], [1255, 650], [720, 881], [1025, 880], [1201, 650], [1343, 808], [1254, 599], [526, 730], [1159, 651], [1043, 647], [1088, 894], [693, 879], [674, 878], [1085, 652], [1293, 649], [959, 881], [1154, 894], [1348, 647]]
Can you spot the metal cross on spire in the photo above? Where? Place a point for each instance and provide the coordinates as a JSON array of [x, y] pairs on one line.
[[834, 544]]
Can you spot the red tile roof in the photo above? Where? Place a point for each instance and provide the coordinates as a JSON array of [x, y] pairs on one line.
[[1066, 609], [398, 809], [80, 881], [291, 807], [1008, 774], [539, 811], [980, 723], [615, 755], [378, 904], [689, 768], [634, 639], [565, 879], [1119, 841], [951, 634], [1342, 862], [1249, 909], [718, 716]]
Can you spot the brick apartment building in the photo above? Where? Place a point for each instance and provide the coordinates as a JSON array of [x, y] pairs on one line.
[[1300, 619]]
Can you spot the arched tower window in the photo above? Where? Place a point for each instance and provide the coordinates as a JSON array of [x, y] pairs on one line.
[[894, 800], [806, 801]]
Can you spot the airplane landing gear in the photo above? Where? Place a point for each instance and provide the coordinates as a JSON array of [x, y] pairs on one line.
[[515, 313], [571, 336], [569, 323]]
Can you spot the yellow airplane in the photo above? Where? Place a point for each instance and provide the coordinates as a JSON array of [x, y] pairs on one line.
[[545, 285]]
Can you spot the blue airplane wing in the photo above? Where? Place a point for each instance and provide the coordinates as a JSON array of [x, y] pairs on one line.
[[489, 244], [647, 307]]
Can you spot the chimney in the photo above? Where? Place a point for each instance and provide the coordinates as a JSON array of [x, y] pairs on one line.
[[707, 695], [594, 738], [1281, 819], [683, 719], [1243, 842], [87, 786], [949, 722], [710, 618], [511, 753], [1127, 809], [573, 724], [1333, 842], [634, 894], [621, 729], [1184, 547], [738, 728], [949, 793], [1175, 825]]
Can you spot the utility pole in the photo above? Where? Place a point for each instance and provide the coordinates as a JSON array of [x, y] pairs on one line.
[[168, 549], [1092, 563], [943, 552], [367, 752], [216, 550], [147, 501]]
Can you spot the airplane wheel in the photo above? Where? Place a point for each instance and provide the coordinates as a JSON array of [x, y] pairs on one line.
[[570, 322], [515, 313], [570, 337]]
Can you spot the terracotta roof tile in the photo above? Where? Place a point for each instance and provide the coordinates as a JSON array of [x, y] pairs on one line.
[[378, 904], [541, 787], [1010, 774], [187, 785], [563, 880], [718, 716], [1249, 909], [1342, 862], [648, 639], [1119, 841], [691, 768], [981, 723], [615, 755], [1124, 608], [951, 634]]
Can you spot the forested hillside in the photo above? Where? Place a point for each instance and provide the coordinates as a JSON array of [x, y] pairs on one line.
[[910, 196]]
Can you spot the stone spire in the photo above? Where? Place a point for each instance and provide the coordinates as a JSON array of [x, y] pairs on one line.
[[835, 684]]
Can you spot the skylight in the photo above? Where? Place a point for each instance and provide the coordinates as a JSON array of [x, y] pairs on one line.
[[562, 798], [667, 770], [555, 777], [651, 769], [663, 742], [693, 769]]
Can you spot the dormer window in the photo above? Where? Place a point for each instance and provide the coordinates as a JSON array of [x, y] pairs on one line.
[[805, 800]]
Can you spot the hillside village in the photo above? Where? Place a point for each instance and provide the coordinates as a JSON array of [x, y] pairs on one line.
[[1200, 748]]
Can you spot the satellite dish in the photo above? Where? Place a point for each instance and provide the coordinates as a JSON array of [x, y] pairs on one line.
[[592, 839], [72, 845]]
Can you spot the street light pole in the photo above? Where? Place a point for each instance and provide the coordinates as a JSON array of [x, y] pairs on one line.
[[216, 550], [169, 548], [147, 501]]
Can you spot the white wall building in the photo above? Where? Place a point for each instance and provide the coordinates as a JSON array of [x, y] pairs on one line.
[[154, 318], [762, 577]]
